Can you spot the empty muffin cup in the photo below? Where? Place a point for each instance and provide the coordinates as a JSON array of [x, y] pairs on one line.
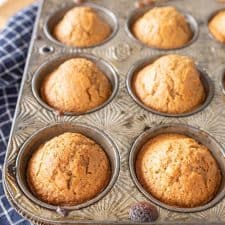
[[48, 133], [108, 16], [47, 68], [205, 79], [200, 136], [137, 13]]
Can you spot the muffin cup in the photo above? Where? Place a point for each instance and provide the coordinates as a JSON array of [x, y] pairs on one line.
[[50, 66], [137, 13], [104, 13], [49, 132], [202, 137], [207, 24], [206, 81]]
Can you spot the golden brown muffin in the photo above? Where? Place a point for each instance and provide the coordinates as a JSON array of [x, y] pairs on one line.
[[216, 26], [77, 85], [82, 27], [171, 84], [68, 170], [162, 27], [178, 171]]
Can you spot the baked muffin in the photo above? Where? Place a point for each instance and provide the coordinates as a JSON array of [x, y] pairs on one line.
[[68, 170], [216, 26], [162, 27], [82, 27], [171, 84], [77, 85], [178, 171]]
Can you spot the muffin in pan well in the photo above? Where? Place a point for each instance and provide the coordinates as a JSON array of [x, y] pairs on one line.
[[178, 171], [82, 27], [77, 85], [163, 27], [68, 170], [216, 26], [171, 84]]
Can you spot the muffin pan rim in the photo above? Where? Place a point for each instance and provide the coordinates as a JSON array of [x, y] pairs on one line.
[[194, 131], [95, 6], [192, 21], [67, 56], [114, 172], [141, 63], [222, 79]]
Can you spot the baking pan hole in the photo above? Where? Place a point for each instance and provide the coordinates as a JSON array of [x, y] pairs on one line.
[[49, 132], [210, 17], [206, 81], [137, 13], [46, 49], [104, 13], [50, 66], [202, 137]]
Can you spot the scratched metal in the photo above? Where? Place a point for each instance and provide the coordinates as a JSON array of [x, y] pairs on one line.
[[122, 119]]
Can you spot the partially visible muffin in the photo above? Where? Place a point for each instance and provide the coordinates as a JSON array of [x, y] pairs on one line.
[[216, 26], [178, 171], [162, 27], [171, 84], [82, 27], [68, 170], [77, 85]]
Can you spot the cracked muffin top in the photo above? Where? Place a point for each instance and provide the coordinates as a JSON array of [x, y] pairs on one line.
[[171, 84], [68, 170], [162, 27], [178, 171], [216, 26], [77, 85], [82, 27]]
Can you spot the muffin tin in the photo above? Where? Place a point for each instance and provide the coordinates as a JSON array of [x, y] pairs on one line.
[[121, 124]]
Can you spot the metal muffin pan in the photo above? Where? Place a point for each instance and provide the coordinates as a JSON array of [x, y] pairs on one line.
[[199, 135], [122, 119], [206, 81], [53, 64], [137, 13], [103, 12], [49, 132]]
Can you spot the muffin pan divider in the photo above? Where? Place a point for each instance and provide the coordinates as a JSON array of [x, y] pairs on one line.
[[121, 119]]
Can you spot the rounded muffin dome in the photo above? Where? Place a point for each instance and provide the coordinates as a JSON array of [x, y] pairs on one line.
[[82, 27], [178, 171], [162, 27], [171, 84], [68, 170], [77, 85], [216, 26]]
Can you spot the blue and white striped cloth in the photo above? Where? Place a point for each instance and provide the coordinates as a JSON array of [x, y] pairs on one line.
[[14, 43]]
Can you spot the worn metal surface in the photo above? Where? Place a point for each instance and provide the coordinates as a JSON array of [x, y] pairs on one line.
[[122, 119]]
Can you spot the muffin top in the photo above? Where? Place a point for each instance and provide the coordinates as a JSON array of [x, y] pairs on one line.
[[77, 85], [171, 84], [178, 171], [162, 27], [82, 27], [68, 170], [216, 26]]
